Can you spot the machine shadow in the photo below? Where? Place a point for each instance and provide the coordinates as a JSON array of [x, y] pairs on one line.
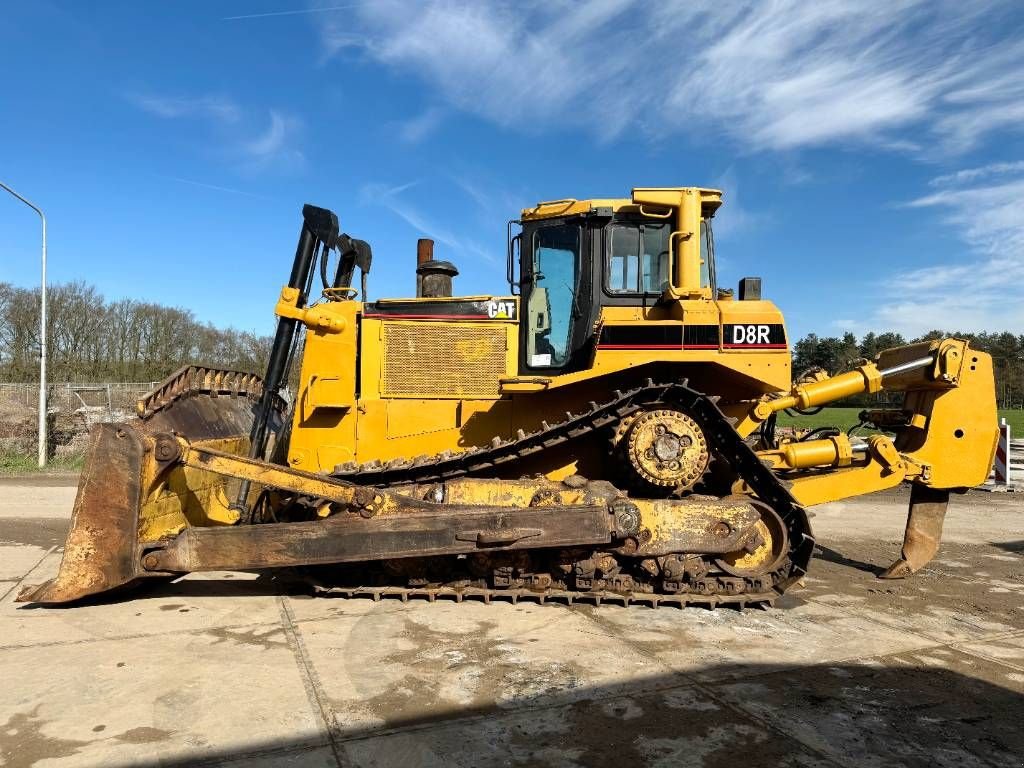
[[1017, 547], [832, 556], [763, 715], [269, 583]]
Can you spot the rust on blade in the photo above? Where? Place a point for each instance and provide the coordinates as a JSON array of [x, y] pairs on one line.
[[99, 553], [924, 531], [193, 379], [102, 550]]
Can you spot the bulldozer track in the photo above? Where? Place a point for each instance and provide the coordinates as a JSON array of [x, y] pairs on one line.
[[714, 590]]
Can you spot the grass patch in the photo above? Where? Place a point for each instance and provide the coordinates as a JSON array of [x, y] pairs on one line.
[[844, 418], [22, 463], [1015, 418]]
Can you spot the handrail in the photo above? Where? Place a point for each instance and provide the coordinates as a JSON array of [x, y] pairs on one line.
[[567, 203], [672, 258], [666, 215], [341, 293]]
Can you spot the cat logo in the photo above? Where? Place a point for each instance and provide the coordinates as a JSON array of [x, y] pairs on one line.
[[501, 310]]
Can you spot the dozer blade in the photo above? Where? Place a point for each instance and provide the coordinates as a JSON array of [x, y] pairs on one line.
[[104, 544], [99, 553], [924, 531]]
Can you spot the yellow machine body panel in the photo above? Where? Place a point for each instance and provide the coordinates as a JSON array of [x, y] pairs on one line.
[[437, 382]]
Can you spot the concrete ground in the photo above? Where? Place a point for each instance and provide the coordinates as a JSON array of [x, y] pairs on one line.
[[231, 669]]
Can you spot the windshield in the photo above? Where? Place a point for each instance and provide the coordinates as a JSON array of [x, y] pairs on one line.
[[552, 296]]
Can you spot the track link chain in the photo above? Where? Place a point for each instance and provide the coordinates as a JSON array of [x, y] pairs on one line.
[[487, 595]]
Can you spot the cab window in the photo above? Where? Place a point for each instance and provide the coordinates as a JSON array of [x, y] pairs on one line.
[[707, 249], [637, 259]]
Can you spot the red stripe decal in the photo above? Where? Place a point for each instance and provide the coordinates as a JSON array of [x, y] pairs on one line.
[[431, 317], [639, 346], [690, 346], [657, 346]]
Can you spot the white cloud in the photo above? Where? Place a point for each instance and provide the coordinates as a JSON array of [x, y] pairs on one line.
[[217, 108], [979, 292], [975, 174], [734, 217], [300, 12], [274, 145], [494, 200], [215, 187], [416, 129], [250, 144], [391, 198], [772, 75]]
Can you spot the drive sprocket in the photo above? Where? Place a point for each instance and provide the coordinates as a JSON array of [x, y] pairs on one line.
[[667, 448]]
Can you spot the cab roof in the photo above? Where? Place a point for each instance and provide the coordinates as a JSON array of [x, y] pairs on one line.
[[711, 199]]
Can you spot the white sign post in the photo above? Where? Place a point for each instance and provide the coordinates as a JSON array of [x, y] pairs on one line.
[[1002, 464]]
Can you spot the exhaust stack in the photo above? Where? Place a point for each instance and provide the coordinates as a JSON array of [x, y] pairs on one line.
[[424, 253], [433, 278]]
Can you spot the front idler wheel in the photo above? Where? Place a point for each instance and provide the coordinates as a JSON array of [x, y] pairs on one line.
[[764, 550]]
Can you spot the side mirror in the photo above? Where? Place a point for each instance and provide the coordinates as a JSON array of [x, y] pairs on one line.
[[750, 289]]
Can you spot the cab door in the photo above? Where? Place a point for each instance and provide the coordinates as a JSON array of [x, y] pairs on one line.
[[554, 284]]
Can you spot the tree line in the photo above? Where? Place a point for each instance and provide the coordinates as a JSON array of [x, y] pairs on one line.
[[92, 339], [837, 353]]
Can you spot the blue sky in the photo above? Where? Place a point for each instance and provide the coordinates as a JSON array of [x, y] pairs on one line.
[[871, 153]]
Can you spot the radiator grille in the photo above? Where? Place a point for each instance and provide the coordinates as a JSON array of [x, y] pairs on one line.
[[443, 359]]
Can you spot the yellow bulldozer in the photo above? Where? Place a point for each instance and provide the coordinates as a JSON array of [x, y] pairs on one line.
[[604, 431]]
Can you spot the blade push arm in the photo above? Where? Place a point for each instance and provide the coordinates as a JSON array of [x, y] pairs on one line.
[[944, 437], [868, 378]]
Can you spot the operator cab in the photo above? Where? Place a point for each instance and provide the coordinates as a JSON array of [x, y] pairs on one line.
[[594, 254]]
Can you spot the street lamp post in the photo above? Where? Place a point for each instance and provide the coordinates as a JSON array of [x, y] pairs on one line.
[[42, 334]]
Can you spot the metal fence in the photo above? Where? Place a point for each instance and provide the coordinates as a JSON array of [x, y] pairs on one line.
[[69, 396], [102, 401], [72, 409]]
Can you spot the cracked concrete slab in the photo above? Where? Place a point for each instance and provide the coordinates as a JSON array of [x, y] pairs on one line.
[[441, 659], [233, 669], [715, 644], [934, 708], [196, 602], [131, 700], [940, 603], [18, 559], [1005, 650], [679, 726]]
